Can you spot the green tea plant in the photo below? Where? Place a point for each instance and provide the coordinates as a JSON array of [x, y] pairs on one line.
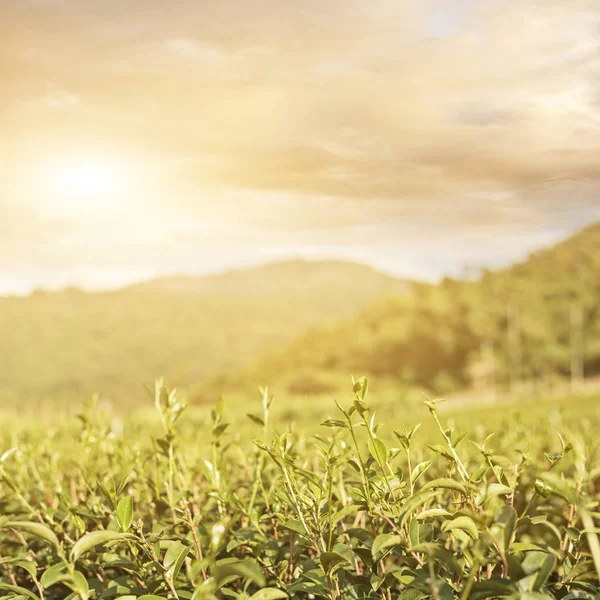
[[360, 509]]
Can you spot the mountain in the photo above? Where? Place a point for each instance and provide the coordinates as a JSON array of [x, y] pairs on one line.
[[59, 347], [531, 324], [284, 277]]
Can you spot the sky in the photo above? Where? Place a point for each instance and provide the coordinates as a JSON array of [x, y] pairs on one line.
[[145, 138]]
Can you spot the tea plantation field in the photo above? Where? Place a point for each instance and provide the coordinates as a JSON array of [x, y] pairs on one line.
[[354, 498]]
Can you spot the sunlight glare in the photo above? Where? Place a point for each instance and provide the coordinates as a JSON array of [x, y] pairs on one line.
[[88, 179]]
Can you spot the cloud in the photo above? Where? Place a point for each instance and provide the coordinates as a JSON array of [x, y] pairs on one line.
[[191, 49], [307, 121], [54, 99]]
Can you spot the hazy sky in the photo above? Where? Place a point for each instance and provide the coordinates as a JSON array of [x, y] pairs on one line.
[[148, 137]]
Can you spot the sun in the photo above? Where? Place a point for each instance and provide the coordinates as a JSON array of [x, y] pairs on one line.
[[87, 179], [89, 184]]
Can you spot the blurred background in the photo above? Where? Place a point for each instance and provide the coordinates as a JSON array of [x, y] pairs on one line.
[[250, 193]]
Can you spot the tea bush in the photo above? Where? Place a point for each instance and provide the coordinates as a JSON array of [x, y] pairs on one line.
[[353, 511]]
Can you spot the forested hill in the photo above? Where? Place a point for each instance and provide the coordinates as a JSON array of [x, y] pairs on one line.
[[65, 346], [535, 322]]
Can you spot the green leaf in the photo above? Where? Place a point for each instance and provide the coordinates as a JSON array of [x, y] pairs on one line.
[[256, 419], [18, 590], [174, 558], [125, 513], [125, 481], [508, 518], [432, 513], [343, 513], [24, 563], [361, 388], [295, 525], [334, 424], [354, 464], [459, 439], [542, 488], [445, 483], [557, 485], [8, 453], [411, 594], [403, 439], [36, 529], [430, 403], [53, 575], [220, 407], [545, 571], [533, 562], [429, 548], [419, 470], [541, 563], [479, 473], [525, 547], [493, 588], [378, 451], [360, 407], [79, 585], [247, 569], [330, 560], [494, 489], [109, 495], [442, 451], [95, 538], [377, 581], [415, 502], [383, 544], [416, 532], [220, 429], [463, 523], [269, 594]]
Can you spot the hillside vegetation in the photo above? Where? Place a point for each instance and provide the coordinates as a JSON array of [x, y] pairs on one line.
[[63, 347], [532, 323]]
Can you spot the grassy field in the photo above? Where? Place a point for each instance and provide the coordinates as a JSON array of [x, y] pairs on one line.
[[379, 497]]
